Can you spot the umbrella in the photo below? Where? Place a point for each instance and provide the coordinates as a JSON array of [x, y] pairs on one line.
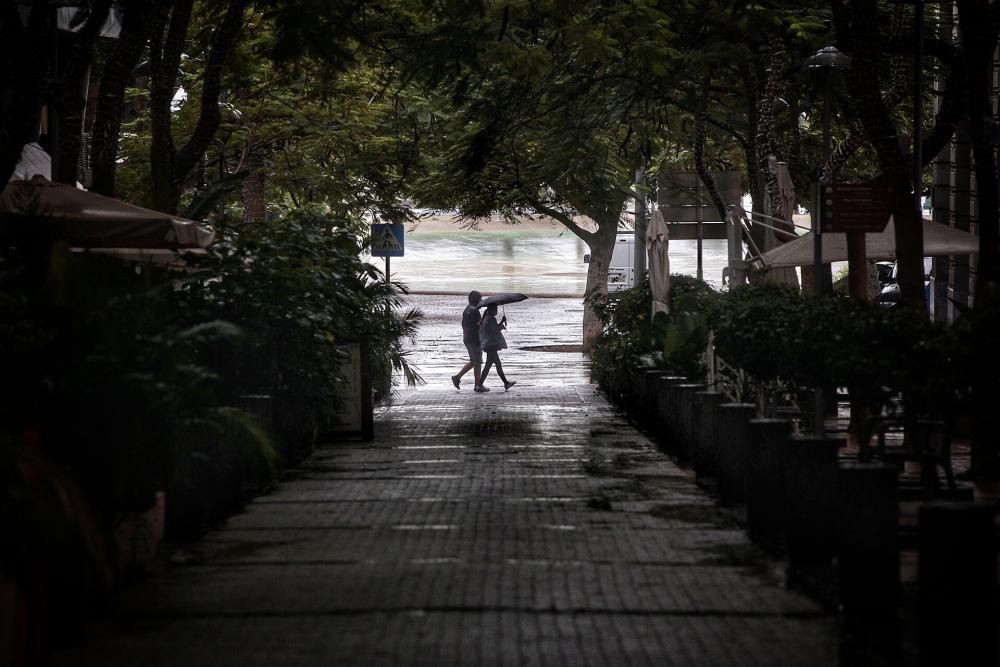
[[939, 241], [89, 220], [502, 299], [657, 243]]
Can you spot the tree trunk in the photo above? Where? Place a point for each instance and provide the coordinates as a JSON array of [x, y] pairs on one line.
[[766, 145], [72, 100], [252, 194], [862, 40], [164, 60], [170, 166], [138, 21], [602, 247], [981, 40], [754, 170]]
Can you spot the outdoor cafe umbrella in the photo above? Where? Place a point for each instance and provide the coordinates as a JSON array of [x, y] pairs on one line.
[[88, 220], [502, 299], [939, 241], [657, 244]]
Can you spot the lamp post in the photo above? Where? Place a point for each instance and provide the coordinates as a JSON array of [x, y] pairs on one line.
[[824, 61]]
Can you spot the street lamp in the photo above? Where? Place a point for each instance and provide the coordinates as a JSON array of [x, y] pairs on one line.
[[824, 61]]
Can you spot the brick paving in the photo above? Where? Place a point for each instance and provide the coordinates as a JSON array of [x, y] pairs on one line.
[[534, 527]]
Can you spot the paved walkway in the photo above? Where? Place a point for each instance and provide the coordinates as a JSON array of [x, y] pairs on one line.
[[534, 527]]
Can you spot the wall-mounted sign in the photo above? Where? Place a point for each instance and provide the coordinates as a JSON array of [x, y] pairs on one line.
[[387, 240], [856, 207]]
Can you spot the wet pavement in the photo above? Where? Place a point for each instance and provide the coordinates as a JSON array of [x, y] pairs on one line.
[[529, 527], [543, 337]]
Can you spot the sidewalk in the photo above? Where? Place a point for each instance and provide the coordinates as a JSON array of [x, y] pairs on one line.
[[534, 527]]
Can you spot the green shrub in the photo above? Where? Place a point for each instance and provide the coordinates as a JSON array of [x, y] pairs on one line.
[[676, 340], [778, 334], [298, 287]]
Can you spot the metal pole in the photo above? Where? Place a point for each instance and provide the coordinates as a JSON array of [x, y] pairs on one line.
[[819, 401], [825, 60], [918, 106], [639, 261], [699, 228]]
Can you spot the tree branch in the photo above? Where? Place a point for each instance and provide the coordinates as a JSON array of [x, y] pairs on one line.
[[562, 217], [223, 41]]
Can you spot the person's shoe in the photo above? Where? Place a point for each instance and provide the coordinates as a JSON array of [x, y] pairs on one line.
[[481, 389], [455, 380], [508, 385]]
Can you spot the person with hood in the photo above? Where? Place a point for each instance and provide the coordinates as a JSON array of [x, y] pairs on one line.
[[470, 336], [491, 340]]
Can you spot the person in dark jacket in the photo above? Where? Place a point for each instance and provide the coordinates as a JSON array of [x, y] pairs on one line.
[[491, 340], [470, 336]]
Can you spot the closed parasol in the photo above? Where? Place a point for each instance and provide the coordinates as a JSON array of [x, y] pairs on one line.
[[657, 244]]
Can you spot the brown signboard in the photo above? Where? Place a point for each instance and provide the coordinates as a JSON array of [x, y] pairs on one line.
[[856, 207], [683, 198]]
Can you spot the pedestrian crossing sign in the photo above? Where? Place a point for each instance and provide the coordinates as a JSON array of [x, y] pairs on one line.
[[387, 240]]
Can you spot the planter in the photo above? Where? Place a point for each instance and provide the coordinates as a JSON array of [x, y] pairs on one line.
[[734, 441], [684, 419], [646, 399], [665, 407], [809, 471], [765, 482], [958, 578], [705, 453], [867, 509]]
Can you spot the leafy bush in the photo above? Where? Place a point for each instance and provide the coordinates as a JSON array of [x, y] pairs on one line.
[[297, 287], [101, 369], [676, 340], [778, 334]]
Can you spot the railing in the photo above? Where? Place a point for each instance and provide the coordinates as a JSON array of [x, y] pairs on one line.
[[739, 221]]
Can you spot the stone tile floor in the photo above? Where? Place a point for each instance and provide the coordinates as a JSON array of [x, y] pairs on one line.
[[533, 527]]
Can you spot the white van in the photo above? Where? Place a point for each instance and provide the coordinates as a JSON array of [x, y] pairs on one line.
[[621, 270]]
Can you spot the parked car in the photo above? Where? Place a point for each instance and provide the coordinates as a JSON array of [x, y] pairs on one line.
[[890, 295]]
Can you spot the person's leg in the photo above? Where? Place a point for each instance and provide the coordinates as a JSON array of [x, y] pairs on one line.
[[486, 368], [457, 379], [496, 362], [477, 361]]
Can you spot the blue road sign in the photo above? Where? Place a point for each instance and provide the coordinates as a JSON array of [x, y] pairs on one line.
[[387, 240]]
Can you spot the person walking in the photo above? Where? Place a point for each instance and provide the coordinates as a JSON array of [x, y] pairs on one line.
[[470, 336], [491, 340]]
